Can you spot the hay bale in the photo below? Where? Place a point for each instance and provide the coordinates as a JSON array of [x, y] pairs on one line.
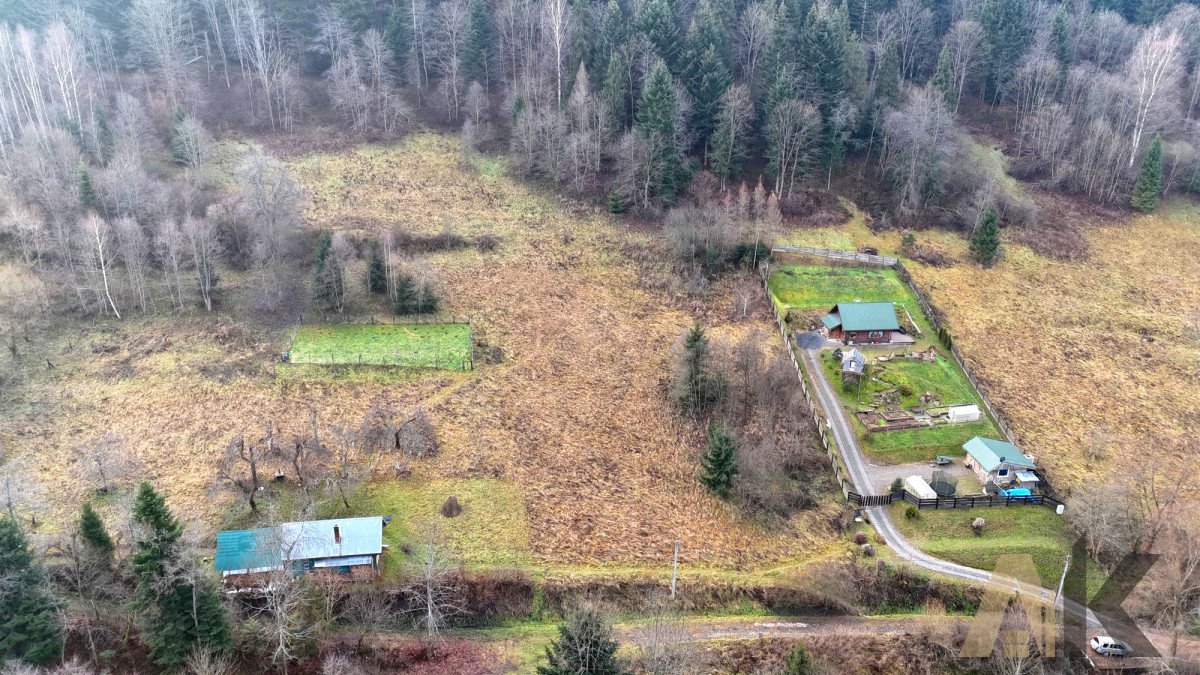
[[977, 525], [451, 507]]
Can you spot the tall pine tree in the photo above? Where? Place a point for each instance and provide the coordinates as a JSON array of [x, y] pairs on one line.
[[176, 614], [943, 80], [697, 387], [376, 269], [95, 537], [656, 125], [657, 24], [477, 60], [616, 95], [707, 81], [88, 199], [1149, 181], [29, 627], [1007, 31], [719, 462], [985, 242]]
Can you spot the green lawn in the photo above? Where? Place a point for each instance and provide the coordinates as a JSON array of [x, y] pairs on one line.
[[424, 345], [1033, 530], [813, 289], [942, 377], [491, 531]]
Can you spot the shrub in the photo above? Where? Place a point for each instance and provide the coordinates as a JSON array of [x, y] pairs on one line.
[[848, 387], [585, 644], [868, 550], [908, 240], [897, 485], [798, 662], [487, 242], [912, 512], [906, 389], [860, 538]]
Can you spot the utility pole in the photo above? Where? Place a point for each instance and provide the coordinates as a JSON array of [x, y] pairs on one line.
[[1063, 580], [675, 569]]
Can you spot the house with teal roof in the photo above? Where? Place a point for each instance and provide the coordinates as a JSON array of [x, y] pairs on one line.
[[857, 323], [999, 463], [348, 547]]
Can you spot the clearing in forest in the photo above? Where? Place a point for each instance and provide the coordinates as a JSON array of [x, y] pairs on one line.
[[810, 290], [415, 345]]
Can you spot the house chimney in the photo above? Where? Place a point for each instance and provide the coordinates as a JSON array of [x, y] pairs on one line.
[[337, 535]]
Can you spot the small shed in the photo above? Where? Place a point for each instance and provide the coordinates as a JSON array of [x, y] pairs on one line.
[[916, 486], [853, 364], [963, 413]]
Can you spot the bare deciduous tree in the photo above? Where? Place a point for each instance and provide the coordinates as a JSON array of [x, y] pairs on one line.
[[158, 34], [433, 597], [238, 469], [105, 461]]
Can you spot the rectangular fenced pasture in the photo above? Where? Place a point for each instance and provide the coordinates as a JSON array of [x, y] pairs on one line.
[[411, 345]]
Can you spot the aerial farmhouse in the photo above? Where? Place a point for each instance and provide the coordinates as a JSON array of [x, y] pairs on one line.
[[864, 323], [346, 547], [999, 463]]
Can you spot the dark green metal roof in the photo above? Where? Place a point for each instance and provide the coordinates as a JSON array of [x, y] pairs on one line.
[[863, 316], [989, 452]]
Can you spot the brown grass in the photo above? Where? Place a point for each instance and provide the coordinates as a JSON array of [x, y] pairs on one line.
[[575, 416]]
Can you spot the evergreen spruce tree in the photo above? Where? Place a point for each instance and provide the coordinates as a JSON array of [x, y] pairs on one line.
[[943, 80], [1148, 12], [798, 662], [697, 387], [656, 124], [29, 627], [708, 80], [614, 30], [412, 298], [175, 143], [477, 60], [398, 33], [376, 269], [985, 242], [324, 243], [720, 460], [175, 615], [657, 23], [615, 95], [1060, 37], [95, 537], [1007, 33], [585, 646], [406, 295], [105, 139], [1149, 181], [887, 75], [88, 199]]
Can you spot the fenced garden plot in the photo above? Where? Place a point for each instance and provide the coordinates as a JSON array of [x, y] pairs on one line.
[[414, 345]]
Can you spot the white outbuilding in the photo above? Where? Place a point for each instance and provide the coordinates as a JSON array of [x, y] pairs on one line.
[[916, 486], [963, 413]]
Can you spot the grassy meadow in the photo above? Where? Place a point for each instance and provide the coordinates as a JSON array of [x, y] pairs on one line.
[[417, 345], [1036, 531], [569, 428]]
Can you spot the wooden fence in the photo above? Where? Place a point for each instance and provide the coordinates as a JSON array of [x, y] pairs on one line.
[[952, 502], [849, 256], [813, 408]]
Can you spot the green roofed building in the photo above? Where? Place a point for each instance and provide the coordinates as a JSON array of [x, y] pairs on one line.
[[999, 462], [864, 323], [346, 546]]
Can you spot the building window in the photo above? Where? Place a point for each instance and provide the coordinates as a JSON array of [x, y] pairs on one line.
[[1002, 472], [853, 334], [875, 334]]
